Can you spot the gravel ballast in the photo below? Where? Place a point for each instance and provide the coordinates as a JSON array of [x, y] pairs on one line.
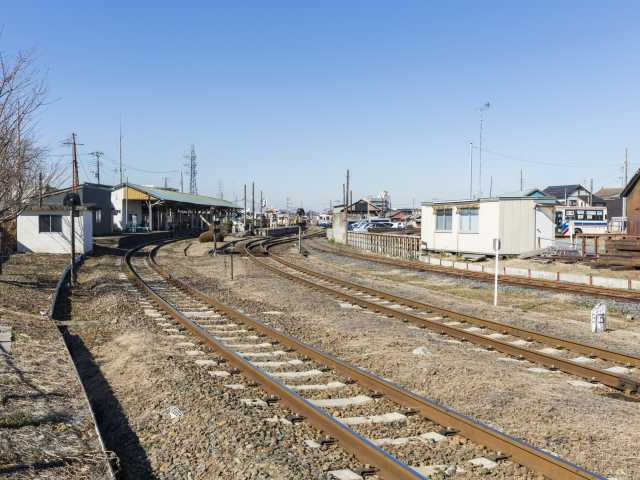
[[588, 426]]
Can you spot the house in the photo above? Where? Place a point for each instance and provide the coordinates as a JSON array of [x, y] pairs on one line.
[[573, 195], [382, 202], [631, 195], [363, 208], [94, 194], [138, 207], [612, 199], [523, 222], [46, 228], [401, 214]]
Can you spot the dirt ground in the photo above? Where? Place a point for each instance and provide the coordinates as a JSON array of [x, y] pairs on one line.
[[589, 426], [46, 429]]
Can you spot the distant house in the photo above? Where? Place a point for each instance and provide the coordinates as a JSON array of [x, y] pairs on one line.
[[401, 214], [631, 193], [573, 195], [360, 209], [46, 228], [612, 199], [380, 202]]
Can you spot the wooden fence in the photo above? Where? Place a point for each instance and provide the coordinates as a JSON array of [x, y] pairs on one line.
[[404, 246]]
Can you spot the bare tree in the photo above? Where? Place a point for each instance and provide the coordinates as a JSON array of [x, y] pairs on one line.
[[22, 159]]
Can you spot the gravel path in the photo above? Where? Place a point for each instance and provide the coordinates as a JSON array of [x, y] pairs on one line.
[[588, 426]]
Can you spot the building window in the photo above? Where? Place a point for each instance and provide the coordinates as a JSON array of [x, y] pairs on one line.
[[49, 223], [468, 220], [97, 215], [444, 220]]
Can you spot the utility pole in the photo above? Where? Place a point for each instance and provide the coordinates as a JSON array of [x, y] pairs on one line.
[[121, 150], [348, 190], [626, 165], [245, 207], [471, 170], [522, 182], [483, 109], [74, 152], [181, 183], [490, 186], [253, 206], [591, 193], [74, 162], [97, 155], [261, 205]]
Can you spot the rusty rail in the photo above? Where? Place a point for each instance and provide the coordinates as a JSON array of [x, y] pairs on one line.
[[613, 380], [368, 453], [576, 288], [540, 461]]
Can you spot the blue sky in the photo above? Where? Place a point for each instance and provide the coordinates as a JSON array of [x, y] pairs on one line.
[[291, 94]]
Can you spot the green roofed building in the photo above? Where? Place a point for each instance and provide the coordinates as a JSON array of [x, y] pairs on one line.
[[139, 207]]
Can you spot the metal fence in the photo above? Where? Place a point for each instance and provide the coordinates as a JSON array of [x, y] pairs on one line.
[[403, 246]]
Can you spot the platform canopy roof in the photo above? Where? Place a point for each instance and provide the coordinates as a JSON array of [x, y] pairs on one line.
[[171, 196]]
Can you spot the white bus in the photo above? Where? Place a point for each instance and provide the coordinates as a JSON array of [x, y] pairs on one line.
[[588, 220]]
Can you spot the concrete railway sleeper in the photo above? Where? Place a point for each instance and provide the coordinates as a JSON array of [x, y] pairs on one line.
[[451, 323], [271, 358], [576, 288]]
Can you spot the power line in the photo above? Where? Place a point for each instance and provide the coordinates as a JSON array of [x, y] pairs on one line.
[[536, 162]]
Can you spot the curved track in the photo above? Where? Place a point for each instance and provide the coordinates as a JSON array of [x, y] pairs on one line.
[[575, 288], [272, 358], [552, 352]]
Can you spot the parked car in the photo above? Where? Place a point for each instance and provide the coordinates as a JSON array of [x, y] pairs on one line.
[[372, 227], [379, 226]]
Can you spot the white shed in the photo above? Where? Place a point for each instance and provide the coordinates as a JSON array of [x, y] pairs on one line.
[[47, 229], [522, 223]]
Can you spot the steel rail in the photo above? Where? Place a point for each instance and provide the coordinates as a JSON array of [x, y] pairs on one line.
[[622, 295], [591, 350], [387, 466], [542, 462], [613, 380]]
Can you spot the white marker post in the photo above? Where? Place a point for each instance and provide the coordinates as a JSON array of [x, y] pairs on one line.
[[496, 247]]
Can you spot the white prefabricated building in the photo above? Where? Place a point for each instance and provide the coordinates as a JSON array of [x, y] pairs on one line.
[[47, 229], [522, 223]]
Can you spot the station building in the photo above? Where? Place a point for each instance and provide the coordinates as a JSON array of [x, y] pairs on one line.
[[145, 208], [522, 222]]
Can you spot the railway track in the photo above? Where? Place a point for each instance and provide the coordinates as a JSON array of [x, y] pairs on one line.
[[575, 288], [397, 434], [594, 364]]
